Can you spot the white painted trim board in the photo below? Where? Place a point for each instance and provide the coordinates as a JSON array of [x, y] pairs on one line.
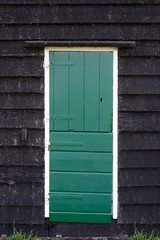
[[115, 120]]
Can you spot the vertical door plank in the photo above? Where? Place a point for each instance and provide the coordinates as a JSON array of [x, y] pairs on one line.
[[60, 91], [106, 85], [91, 90], [51, 55], [76, 75]]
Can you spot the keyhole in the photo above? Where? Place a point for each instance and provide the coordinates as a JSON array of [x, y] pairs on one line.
[[100, 99]]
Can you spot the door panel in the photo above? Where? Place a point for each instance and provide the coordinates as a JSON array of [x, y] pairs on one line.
[[81, 182], [81, 136], [81, 91], [80, 202], [86, 162], [76, 92], [89, 142], [106, 89], [92, 94], [59, 90], [80, 217]]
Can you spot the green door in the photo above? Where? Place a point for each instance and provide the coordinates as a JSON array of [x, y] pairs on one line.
[[81, 137]]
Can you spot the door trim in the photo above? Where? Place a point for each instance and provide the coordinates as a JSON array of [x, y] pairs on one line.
[[115, 119]]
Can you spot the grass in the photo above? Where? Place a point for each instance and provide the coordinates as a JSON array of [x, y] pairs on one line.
[[136, 236], [143, 236], [22, 236]]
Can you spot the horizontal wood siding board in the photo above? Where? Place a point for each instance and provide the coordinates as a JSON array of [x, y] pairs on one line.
[[36, 228], [98, 230], [18, 48], [22, 101], [21, 156], [139, 121], [21, 85], [138, 177], [117, 32], [77, 2], [75, 230], [21, 67], [142, 49], [20, 55], [13, 137], [13, 174], [139, 85], [139, 66], [139, 141], [22, 119], [141, 214], [139, 159], [146, 103], [22, 194], [25, 215], [139, 195], [80, 14]]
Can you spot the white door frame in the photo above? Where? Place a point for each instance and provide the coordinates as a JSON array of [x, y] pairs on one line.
[[115, 119]]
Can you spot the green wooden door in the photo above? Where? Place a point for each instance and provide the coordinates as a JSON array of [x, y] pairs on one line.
[[81, 136]]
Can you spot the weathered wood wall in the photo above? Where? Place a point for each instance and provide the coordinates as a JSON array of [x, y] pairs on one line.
[[22, 100]]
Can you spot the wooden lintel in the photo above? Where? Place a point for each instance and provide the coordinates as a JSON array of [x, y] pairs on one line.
[[42, 44]]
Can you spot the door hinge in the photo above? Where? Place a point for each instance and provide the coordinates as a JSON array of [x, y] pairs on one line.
[[68, 144], [69, 118]]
